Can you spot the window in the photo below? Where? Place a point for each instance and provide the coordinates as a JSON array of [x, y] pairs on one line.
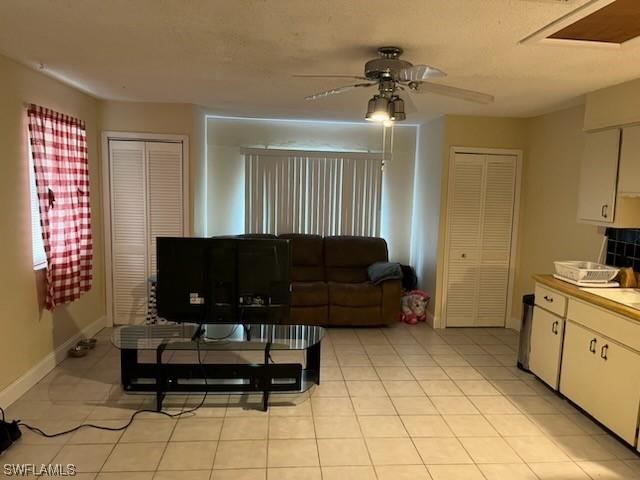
[[37, 245], [325, 193]]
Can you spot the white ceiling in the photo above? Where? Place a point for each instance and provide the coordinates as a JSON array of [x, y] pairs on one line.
[[236, 57]]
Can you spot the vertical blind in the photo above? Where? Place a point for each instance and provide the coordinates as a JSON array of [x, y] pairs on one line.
[[324, 193]]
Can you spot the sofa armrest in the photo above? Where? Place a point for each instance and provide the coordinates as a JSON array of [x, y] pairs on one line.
[[391, 301]]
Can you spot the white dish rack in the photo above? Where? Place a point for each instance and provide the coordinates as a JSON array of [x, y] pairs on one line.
[[585, 273]]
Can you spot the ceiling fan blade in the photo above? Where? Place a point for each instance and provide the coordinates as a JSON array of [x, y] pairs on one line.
[[337, 90], [461, 93], [417, 73], [355, 77], [409, 105]]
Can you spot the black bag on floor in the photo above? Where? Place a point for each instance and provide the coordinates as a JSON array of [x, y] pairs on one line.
[[9, 433], [409, 278]]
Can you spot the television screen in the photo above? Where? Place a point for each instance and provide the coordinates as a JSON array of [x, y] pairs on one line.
[[264, 280], [223, 280], [182, 287]]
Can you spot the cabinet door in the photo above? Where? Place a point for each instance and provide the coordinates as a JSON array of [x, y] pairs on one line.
[[128, 231], [464, 238], [629, 178], [579, 364], [603, 377], [617, 396], [164, 182], [497, 226], [598, 177], [546, 346]]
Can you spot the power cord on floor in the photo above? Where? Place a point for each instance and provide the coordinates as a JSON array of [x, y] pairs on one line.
[[135, 414]]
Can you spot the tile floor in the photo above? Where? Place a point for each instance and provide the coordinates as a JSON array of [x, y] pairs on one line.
[[399, 403]]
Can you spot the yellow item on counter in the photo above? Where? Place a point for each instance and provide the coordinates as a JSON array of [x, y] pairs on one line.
[[627, 278]]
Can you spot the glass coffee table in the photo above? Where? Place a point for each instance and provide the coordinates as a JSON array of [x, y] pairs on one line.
[[166, 370]]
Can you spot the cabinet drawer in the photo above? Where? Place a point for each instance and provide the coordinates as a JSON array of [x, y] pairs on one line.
[[616, 327], [551, 300]]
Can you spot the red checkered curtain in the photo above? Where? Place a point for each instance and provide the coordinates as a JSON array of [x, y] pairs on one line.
[[59, 151]]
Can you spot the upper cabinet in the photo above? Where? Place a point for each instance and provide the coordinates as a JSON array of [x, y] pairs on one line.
[[629, 172], [609, 192], [598, 177]]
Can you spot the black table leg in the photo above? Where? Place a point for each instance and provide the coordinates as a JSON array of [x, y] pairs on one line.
[[159, 376], [313, 360], [265, 377], [128, 361]]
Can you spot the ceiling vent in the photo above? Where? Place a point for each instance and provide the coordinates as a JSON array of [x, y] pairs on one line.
[[611, 23]]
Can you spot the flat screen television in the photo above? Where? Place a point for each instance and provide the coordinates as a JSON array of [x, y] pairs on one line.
[[223, 280]]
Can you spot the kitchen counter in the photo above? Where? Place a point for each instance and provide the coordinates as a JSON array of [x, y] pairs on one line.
[[577, 292]]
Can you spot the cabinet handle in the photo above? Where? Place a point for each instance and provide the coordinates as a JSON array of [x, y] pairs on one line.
[[603, 351], [603, 211], [548, 298], [592, 345], [554, 327]]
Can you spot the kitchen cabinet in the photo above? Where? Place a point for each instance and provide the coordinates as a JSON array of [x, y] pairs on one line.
[[609, 187], [629, 170], [547, 331], [594, 358], [602, 377], [598, 177]]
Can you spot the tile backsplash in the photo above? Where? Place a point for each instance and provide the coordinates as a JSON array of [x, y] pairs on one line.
[[623, 247]]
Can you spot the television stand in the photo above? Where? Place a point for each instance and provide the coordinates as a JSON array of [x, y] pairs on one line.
[[164, 376]]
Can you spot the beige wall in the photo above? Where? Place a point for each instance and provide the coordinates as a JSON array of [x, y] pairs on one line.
[[612, 106], [169, 118], [226, 169], [549, 230], [482, 132], [552, 146], [28, 333], [426, 205]]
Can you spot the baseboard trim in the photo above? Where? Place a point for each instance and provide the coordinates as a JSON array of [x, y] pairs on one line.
[[431, 319], [19, 387]]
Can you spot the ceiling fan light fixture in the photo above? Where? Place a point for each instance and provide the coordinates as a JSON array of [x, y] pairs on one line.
[[396, 109], [377, 109]]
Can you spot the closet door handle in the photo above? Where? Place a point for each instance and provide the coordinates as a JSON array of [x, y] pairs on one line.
[[592, 345], [548, 298], [603, 351], [603, 211], [554, 327]]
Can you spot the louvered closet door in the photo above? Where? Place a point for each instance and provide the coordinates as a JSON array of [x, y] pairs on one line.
[[479, 230], [164, 183], [497, 226], [128, 231], [464, 240], [147, 201]]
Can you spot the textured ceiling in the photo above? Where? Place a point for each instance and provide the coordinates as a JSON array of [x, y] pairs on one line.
[[236, 57]]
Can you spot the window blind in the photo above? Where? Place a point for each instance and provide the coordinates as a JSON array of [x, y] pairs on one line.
[[324, 193], [37, 245]]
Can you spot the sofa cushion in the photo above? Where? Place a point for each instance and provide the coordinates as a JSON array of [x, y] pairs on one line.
[[347, 258], [355, 294], [307, 257], [309, 294]]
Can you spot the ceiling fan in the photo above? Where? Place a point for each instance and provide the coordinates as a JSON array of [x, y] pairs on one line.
[[390, 73]]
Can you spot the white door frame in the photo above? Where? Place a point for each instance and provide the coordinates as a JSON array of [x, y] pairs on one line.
[[509, 321], [106, 197]]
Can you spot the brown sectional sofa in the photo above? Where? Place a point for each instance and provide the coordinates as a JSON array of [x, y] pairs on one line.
[[330, 285]]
